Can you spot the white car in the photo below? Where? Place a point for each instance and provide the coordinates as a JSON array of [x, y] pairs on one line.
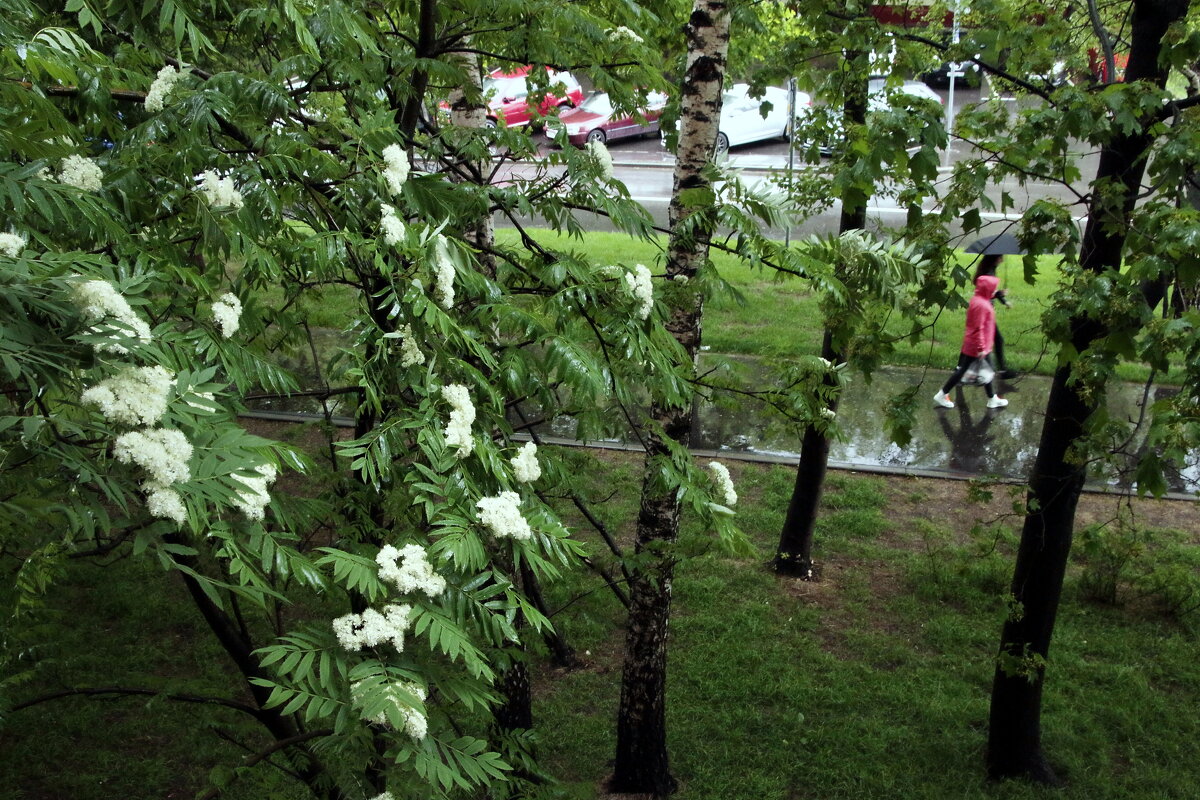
[[742, 120], [879, 99]]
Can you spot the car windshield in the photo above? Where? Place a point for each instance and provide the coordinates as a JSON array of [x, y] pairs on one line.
[[598, 103], [499, 88]]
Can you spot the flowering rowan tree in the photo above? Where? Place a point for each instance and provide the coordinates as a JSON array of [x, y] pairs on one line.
[[268, 163]]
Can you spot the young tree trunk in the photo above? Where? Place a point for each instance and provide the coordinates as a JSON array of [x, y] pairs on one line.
[[466, 113], [794, 554], [1014, 734], [642, 764]]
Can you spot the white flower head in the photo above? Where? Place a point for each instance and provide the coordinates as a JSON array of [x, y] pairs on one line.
[[502, 514], [415, 723], [134, 396], [392, 225], [220, 192], [11, 244], [410, 352], [384, 796], [395, 171], [82, 173], [640, 286], [254, 499], [227, 313], [164, 502], [100, 302], [409, 570], [164, 453], [443, 273], [462, 414], [525, 466], [603, 158], [371, 628], [828, 413], [164, 82], [720, 476], [617, 34]]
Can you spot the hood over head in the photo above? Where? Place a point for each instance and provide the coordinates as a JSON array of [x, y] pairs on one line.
[[985, 286]]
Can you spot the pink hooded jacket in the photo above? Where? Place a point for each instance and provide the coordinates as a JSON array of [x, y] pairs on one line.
[[980, 335]]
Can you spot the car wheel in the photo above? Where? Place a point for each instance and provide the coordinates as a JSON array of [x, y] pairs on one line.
[[598, 136], [490, 122], [722, 143]]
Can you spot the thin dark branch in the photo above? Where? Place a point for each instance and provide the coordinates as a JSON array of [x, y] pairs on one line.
[[123, 691]]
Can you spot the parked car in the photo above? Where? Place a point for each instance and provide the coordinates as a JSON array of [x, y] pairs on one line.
[[507, 95], [595, 120], [879, 100], [743, 122]]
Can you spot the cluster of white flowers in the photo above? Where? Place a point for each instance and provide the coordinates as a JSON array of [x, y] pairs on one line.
[[220, 192], [384, 796], [622, 32], [82, 173], [164, 502], [603, 158], [414, 573], [370, 628], [443, 273], [462, 414], [395, 170], [134, 396], [392, 225], [227, 313], [164, 82], [410, 353], [639, 284], [503, 515], [415, 723], [720, 476], [525, 466], [162, 452], [99, 301], [828, 413], [255, 499], [11, 244]]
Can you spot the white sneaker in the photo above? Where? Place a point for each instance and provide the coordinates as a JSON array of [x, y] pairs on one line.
[[942, 400], [997, 402]]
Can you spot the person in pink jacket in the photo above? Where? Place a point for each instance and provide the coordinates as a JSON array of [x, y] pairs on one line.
[[978, 339]]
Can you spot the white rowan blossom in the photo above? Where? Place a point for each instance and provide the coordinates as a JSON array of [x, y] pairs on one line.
[[413, 573], [525, 466], [443, 273], [164, 82], [640, 286], [220, 192], [134, 396], [253, 501], [371, 629], [384, 796], [462, 414], [11, 244], [503, 515], [227, 313], [162, 452], [392, 225], [164, 502], [99, 301], [82, 173], [828, 413], [415, 723], [410, 353], [603, 158], [720, 476], [825, 362], [617, 34], [396, 169], [680, 278]]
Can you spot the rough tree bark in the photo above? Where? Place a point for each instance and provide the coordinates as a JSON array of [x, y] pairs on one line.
[[642, 764], [1014, 734], [794, 554]]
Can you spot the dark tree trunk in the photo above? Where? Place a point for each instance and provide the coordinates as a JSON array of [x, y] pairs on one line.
[[1014, 734], [642, 765], [516, 712], [794, 554]]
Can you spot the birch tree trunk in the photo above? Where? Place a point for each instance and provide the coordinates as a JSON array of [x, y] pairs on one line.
[[1014, 733], [642, 764]]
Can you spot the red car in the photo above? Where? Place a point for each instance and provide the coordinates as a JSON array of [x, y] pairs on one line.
[[507, 94], [597, 121]]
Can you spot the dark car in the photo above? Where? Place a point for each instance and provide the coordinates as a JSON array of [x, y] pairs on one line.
[[597, 121]]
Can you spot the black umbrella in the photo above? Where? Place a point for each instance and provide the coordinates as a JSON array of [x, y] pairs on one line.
[[1001, 244]]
